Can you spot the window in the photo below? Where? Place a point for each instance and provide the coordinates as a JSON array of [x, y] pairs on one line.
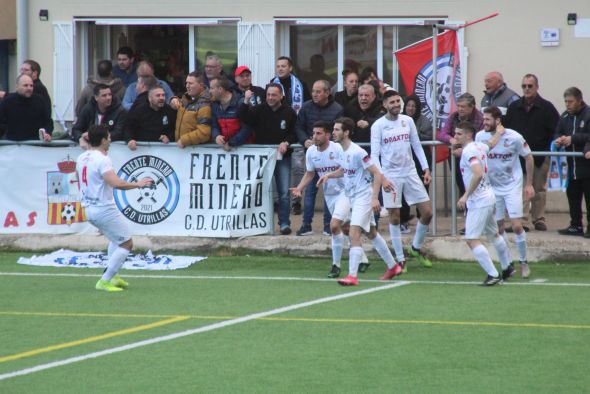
[[221, 40], [314, 50]]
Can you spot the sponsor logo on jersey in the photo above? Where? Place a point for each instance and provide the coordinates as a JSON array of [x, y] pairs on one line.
[[396, 138], [152, 204]]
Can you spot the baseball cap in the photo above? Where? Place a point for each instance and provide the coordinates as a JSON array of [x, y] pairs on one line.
[[241, 69]]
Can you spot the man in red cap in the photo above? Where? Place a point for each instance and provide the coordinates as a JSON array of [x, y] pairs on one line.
[[243, 77]]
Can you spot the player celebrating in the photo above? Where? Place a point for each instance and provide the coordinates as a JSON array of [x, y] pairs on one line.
[[479, 199], [393, 136], [322, 158], [98, 179], [357, 167], [505, 174]]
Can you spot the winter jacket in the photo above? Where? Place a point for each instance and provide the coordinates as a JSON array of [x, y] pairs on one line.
[[21, 117], [353, 110], [271, 127], [226, 122], [113, 117], [310, 113], [501, 98], [116, 85], [448, 130], [193, 119], [143, 123], [578, 127]]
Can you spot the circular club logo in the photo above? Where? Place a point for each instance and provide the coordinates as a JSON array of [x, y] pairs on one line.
[[448, 86], [152, 204]]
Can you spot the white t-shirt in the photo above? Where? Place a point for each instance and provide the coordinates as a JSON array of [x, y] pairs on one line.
[[357, 179], [393, 141], [483, 195], [504, 168], [324, 162], [91, 165]]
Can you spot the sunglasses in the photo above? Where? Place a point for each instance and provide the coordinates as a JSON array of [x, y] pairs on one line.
[[527, 86]]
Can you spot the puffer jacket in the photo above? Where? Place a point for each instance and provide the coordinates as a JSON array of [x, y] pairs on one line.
[[311, 112], [193, 119], [578, 127], [226, 122]]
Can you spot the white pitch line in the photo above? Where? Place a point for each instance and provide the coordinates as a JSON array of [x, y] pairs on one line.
[[293, 279], [199, 330]]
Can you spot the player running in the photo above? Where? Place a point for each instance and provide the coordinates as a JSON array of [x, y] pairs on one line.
[[356, 167], [97, 180], [505, 175], [322, 158], [393, 137], [480, 200]]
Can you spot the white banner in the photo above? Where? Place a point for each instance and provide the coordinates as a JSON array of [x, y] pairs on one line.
[[197, 191], [69, 258]]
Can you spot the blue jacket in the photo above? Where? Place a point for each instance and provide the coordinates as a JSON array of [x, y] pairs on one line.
[[226, 122], [131, 94]]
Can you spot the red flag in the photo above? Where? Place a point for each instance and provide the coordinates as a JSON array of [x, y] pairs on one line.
[[415, 65]]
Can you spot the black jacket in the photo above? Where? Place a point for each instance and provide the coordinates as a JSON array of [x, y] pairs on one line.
[[578, 127], [22, 117], [354, 111], [114, 118], [270, 127], [310, 113], [537, 126], [145, 124]]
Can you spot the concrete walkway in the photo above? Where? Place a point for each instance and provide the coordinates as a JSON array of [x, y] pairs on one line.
[[548, 245]]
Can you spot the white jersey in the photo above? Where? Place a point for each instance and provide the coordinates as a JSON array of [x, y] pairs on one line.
[[504, 168], [357, 179], [91, 165], [393, 141], [324, 162], [483, 195]]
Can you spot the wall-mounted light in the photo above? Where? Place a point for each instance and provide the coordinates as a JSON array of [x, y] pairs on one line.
[[572, 18], [43, 15]]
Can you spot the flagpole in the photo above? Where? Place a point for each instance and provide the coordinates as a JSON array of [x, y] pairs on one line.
[[434, 116]]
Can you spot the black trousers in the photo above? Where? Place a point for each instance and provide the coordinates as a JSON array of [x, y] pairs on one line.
[[576, 189]]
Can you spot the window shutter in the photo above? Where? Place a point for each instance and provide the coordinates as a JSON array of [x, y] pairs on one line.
[[256, 49], [63, 71]]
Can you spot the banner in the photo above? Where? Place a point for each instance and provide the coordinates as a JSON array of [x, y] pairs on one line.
[[197, 191], [558, 171], [69, 258]]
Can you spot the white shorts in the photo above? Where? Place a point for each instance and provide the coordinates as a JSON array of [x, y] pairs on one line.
[[511, 203], [362, 212], [339, 206], [480, 221], [110, 221], [411, 187]]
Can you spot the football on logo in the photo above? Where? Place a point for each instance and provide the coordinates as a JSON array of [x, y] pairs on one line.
[[68, 212], [151, 204]]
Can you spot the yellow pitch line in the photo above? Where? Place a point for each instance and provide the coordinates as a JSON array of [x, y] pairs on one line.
[[96, 338]]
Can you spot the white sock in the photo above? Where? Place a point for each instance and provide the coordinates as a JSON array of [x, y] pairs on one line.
[[112, 247], [502, 251], [396, 241], [381, 247], [354, 259], [521, 245], [346, 240], [364, 259], [337, 243], [419, 236], [115, 262], [483, 258], [505, 236]]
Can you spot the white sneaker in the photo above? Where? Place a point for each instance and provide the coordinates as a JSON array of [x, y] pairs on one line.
[[404, 228]]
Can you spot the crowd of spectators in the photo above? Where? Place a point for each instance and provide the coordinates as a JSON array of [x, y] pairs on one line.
[[229, 111]]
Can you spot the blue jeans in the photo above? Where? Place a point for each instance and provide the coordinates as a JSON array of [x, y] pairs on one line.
[[282, 176], [311, 192]]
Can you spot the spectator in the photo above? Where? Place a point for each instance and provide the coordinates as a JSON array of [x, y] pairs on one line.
[[317, 70], [413, 108], [368, 74], [244, 83], [295, 91], [274, 124], [103, 108], [351, 86], [535, 119], [214, 69], [24, 115], [125, 69], [321, 107], [365, 110], [144, 84], [104, 71], [466, 111], [33, 70], [145, 69], [226, 127], [496, 93], [151, 120], [573, 133], [193, 117]]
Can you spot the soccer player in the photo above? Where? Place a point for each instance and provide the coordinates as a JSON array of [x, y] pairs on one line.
[[393, 137], [357, 167], [480, 200], [97, 180], [506, 180], [322, 157]]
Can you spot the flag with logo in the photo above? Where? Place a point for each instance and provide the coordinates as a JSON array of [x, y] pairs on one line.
[[416, 69]]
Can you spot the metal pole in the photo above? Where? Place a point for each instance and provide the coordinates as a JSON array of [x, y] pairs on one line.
[[453, 198], [434, 116]]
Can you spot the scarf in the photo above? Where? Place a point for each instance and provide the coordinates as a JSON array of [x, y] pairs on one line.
[[296, 92]]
